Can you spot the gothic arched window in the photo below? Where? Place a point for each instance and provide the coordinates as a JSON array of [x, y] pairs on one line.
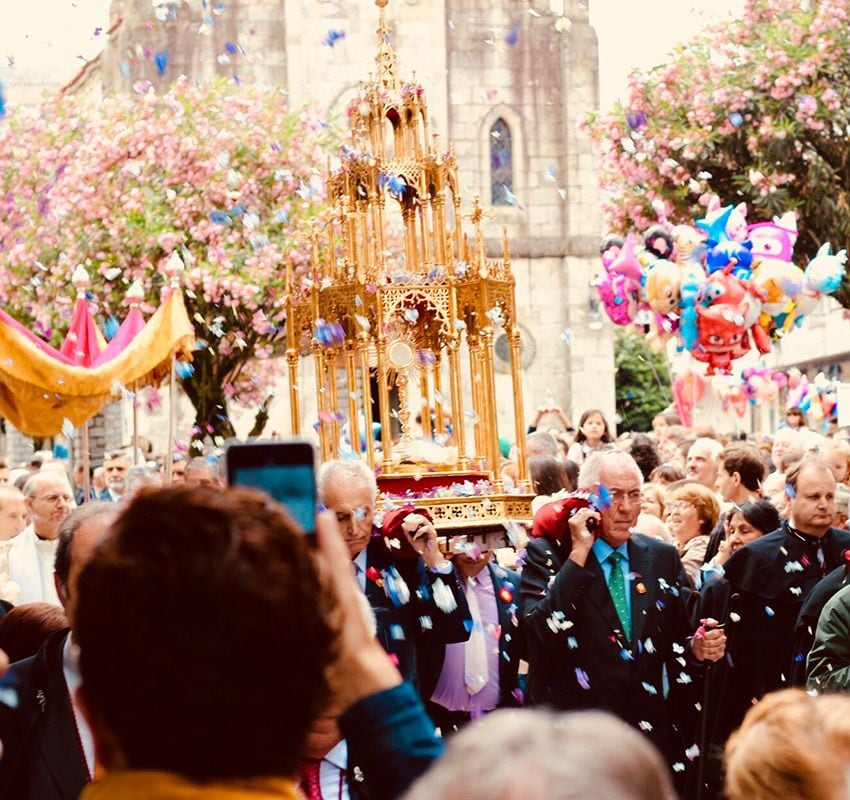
[[501, 165]]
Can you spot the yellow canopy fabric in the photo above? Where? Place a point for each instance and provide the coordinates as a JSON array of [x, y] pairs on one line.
[[37, 392]]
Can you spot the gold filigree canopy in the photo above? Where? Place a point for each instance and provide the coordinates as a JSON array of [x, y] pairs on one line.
[[413, 314]]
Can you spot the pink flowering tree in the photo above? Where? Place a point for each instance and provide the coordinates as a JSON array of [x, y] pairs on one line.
[[223, 176], [754, 110]]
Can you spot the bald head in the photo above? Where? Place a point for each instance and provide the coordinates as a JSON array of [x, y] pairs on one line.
[[49, 500]]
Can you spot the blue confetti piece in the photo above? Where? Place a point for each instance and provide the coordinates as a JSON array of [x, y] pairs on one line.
[[160, 60], [110, 328], [790, 491], [184, 370], [736, 119], [333, 37], [220, 218], [124, 69], [230, 48], [769, 611], [512, 36], [604, 497]]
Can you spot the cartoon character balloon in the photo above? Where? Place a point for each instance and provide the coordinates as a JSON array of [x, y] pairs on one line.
[[826, 271], [620, 288]]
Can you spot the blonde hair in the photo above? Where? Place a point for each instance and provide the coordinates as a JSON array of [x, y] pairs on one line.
[[791, 745], [839, 446], [658, 495], [703, 500]]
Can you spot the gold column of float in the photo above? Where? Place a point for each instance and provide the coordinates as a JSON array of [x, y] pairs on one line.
[[321, 397], [440, 426], [490, 434], [351, 386], [473, 345], [453, 346], [408, 215], [363, 352], [383, 387], [458, 420], [380, 232], [424, 233], [292, 357], [439, 215], [427, 431], [519, 412], [331, 362]]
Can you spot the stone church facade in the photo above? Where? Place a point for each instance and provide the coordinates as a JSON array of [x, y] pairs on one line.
[[507, 82]]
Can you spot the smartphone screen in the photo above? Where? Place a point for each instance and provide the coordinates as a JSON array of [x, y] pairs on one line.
[[282, 469]]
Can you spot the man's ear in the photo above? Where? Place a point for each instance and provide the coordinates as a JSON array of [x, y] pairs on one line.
[[736, 478], [107, 754], [61, 590]]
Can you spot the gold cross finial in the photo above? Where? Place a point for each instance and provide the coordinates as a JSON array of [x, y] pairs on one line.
[[387, 67]]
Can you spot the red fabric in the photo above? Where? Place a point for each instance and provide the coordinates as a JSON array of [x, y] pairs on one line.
[[309, 777], [391, 529], [130, 328], [81, 344], [12, 323], [551, 520]]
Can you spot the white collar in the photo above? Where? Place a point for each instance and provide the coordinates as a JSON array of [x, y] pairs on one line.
[[338, 755]]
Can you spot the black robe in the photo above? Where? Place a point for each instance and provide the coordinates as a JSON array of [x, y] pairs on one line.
[[807, 620], [765, 586]]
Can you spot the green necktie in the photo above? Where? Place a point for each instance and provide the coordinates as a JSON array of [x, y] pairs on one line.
[[617, 588]]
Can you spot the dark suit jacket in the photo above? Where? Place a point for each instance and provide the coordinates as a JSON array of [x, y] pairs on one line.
[[43, 758], [578, 656], [511, 639], [391, 739], [415, 632]]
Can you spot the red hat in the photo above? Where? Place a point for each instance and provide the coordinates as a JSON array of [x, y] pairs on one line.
[[392, 532]]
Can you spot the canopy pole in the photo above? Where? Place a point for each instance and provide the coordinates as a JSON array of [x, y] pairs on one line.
[[84, 444], [172, 422], [135, 428]]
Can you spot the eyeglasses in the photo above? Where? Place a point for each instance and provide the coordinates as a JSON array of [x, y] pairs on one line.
[[680, 505], [618, 496]]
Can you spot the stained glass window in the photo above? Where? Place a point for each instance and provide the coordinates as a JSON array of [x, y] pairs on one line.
[[501, 165]]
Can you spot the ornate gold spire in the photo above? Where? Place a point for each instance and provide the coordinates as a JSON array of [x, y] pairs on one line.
[[387, 66], [403, 312]]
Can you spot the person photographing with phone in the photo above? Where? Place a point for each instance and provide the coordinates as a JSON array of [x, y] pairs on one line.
[[605, 611]]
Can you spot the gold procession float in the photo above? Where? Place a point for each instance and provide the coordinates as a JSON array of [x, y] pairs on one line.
[[419, 322]]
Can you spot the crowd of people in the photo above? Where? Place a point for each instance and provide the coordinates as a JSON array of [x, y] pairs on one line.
[[653, 637]]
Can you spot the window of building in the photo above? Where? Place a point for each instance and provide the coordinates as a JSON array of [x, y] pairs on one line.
[[501, 165]]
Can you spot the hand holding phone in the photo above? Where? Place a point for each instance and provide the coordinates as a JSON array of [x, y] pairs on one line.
[[285, 470], [584, 530]]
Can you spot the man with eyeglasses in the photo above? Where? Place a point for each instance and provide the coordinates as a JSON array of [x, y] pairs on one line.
[[605, 610], [49, 499]]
